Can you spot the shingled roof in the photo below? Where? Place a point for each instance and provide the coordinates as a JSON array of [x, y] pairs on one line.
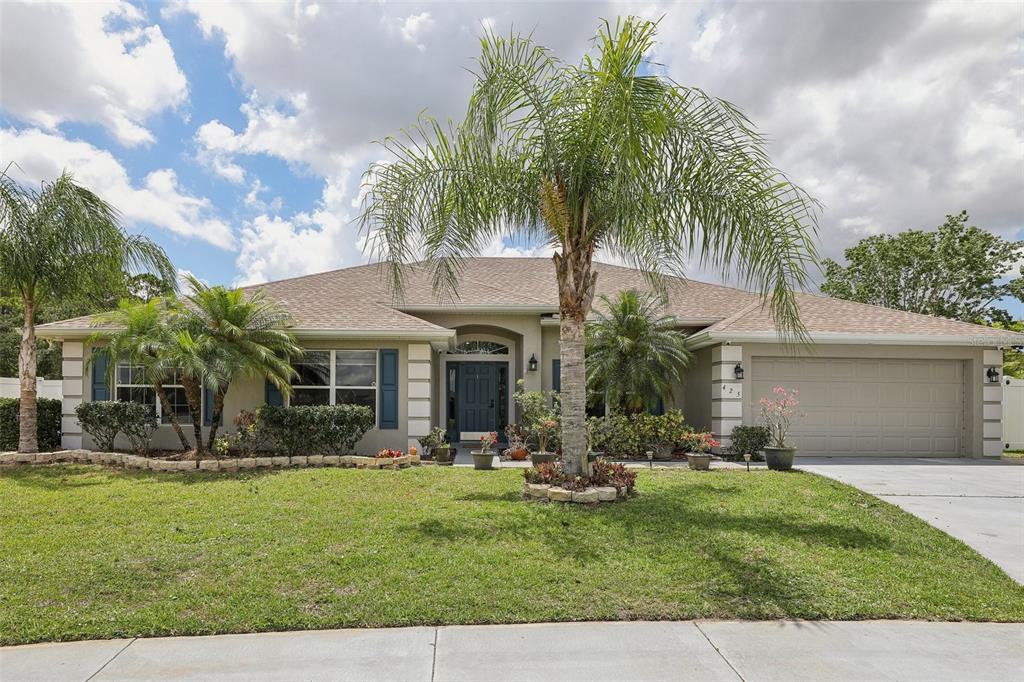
[[359, 300]]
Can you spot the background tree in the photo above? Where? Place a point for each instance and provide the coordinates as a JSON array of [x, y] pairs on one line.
[[604, 155], [635, 353], [58, 242], [956, 271]]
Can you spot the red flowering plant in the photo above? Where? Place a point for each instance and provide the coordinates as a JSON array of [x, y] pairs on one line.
[[612, 474], [700, 442], [778, 412], [487, 441], [550, 473], [388, 453]]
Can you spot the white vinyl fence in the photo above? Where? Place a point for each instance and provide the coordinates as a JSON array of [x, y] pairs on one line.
[[47, 388], [1013, 413]]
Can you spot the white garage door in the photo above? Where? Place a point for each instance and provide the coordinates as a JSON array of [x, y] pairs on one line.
[[869, 407]]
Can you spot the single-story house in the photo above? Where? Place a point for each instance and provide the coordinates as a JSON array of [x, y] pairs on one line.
[[874, 381]]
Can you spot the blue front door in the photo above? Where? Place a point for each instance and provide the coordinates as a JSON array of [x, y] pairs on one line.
[[478, 396], [477, 399]]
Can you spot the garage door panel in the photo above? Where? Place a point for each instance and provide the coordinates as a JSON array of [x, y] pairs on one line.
[[885, 407]]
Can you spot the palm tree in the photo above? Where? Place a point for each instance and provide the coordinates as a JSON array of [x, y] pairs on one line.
[[634, 351], [605, 155], [240, 334], [56, 242], [141, 335]]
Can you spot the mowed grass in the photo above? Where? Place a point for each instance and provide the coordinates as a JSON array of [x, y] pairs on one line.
[[89, 552]]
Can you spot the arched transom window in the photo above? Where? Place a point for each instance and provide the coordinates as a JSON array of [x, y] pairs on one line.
[[480, 348]]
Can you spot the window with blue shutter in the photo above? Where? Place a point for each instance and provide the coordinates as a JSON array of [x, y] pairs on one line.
[[387, 418], [272, 394], [100, 372], [208, 408]]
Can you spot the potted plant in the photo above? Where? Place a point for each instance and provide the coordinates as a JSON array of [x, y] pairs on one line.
[[484, 458], [544, 431], [698, 450], [435, 446], [777, 415], [516, 450]]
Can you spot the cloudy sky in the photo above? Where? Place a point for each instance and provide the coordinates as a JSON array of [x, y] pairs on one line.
[[235, 134]]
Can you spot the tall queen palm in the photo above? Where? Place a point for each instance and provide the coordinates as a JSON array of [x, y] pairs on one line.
[[61, 241], [605, 155]]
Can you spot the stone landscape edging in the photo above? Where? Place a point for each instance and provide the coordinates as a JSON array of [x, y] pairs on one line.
[[546, 492], [130, 461]]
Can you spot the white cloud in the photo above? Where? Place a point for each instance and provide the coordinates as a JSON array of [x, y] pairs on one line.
[[96, 62], [893, 115], [159, 200]]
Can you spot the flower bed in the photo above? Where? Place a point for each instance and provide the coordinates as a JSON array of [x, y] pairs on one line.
[[607, 482], [231, 464]]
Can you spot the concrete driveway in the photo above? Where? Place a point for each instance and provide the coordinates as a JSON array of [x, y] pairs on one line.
[[978, 501]]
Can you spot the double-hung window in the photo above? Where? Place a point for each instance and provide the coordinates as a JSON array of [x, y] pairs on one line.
[[130, 386], [336, 377]]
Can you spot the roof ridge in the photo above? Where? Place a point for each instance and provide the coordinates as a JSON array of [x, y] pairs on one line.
[[742, 312]]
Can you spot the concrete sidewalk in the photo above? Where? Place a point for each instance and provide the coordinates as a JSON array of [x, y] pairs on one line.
[[702, 650]]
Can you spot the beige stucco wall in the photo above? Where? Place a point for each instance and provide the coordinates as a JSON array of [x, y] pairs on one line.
[[977, 393], [248, 394], [696, 392]]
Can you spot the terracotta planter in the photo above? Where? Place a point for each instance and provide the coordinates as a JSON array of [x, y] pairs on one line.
[[779, 459], [699, 461], [518, 454], [542, 457], [483, 460]]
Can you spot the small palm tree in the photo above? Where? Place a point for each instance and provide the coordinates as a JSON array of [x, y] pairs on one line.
[[240, 334], [634, 351], [607, 154], [141, 335], [61, 241]]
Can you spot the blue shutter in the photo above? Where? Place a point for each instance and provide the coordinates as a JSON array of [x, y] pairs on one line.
[[659, 407], [556, 375], [100, 370], [387, 418], [208, 408], [272, 394]]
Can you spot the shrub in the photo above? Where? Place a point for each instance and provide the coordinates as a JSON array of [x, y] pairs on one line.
[[105, 419], [631, 436], [388, 453], [550, 473], [314, 429], [249, 435], [48, 426], [612, 474], [138, 422], [541, 421], [749, 440]]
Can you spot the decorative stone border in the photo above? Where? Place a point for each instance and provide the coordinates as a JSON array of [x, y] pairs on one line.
[[553, 493], [228, 464]]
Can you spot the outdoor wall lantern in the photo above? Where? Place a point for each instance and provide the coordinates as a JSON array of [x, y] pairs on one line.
[[993, 375], [738, 370], [533, 362]]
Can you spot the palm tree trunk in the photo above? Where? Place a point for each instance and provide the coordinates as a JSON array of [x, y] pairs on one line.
[[194, 397], [165, 407], [218, 410], [576, 281], [27, 431]]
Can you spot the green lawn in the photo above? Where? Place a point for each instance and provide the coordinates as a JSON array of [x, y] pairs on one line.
[[91, 552]]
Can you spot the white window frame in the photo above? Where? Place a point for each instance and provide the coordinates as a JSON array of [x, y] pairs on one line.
[[333, 386], [156, 399]]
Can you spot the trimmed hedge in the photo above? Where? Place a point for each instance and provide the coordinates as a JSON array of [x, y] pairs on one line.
[[314, 429], [105, 419], [48, 427]]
